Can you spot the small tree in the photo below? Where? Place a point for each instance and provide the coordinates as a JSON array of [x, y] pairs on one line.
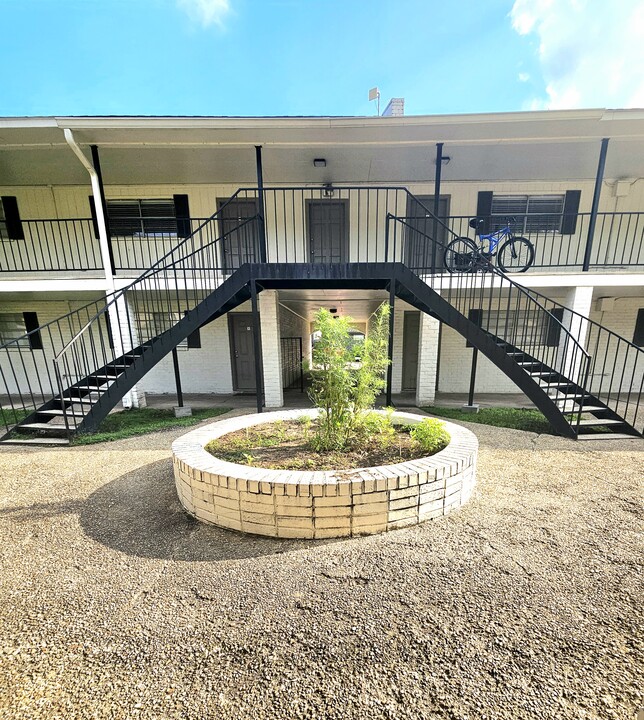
[[342, 392]]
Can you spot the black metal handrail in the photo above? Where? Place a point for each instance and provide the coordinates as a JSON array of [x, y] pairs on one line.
[[616, 370], [507, 312]]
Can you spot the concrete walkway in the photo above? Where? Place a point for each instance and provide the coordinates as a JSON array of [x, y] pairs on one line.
[[524, 604]]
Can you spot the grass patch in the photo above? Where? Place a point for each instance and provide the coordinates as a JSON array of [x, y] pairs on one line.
[[129, 423], [515, 418]]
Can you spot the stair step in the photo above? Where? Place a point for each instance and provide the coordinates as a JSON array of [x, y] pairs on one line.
[[585, 409], [36, 441], [607, 436], [543, 373], [69, 413], [600, 421], [42, 426]]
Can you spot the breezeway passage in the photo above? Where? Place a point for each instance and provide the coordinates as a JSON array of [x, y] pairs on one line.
[[524, 603]]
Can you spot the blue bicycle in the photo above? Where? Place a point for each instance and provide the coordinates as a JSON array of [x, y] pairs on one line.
[[515, 254]]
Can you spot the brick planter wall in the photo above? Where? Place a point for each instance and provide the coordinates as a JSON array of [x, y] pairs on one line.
[[289, 504]]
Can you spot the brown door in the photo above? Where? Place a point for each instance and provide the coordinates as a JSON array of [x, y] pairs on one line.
[[239, 234], [242, 350], [411, 329], [328, 231]]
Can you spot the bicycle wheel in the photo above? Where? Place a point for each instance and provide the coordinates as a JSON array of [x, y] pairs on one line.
[[460, 255], [515, 255]]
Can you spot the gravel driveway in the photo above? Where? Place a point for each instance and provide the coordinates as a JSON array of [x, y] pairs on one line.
[[527, 603]]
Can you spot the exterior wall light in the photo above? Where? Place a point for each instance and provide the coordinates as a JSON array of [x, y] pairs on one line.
[[319, 162]]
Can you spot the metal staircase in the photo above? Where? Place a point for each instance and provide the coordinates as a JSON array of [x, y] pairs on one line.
[[64, 377]]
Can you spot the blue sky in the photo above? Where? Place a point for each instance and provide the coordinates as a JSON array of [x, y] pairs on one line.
[[317, 57]]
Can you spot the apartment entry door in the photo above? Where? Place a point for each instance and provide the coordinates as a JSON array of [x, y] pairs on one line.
[[411, 331], [328, 231], [242, 350]]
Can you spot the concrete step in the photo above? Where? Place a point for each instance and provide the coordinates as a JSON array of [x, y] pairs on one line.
[[607, 436], [35, 441]]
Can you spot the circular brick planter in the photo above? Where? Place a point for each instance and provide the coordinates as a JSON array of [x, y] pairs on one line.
[[289, 504]]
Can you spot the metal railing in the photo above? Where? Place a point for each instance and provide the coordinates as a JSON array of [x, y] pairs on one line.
[[64, 245], [504, 310], [71, 350], [616, 369]]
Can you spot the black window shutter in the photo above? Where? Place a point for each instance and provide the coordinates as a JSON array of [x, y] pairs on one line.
[[570, 210], [554, 328], [92, 209], [484, 209], [31, 326], [638, 335], [194, 339], [182, 212], [12, 217], [475, 316]]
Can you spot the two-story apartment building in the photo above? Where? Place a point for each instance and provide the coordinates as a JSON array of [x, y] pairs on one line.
[[133, 245]]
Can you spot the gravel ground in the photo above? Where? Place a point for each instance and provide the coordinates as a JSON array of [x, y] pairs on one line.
[[527, 603]]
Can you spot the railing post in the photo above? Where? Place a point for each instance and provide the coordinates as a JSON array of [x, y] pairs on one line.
[[257, 346], [593, 211], [177, 376], [387, 237], [260, 204], [437, 196]]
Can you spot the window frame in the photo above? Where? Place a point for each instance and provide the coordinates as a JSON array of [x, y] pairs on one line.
[[141, 219], [21, 339], [551, 221]]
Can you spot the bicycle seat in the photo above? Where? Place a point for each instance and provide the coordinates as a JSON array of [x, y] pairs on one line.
[[476, 223]]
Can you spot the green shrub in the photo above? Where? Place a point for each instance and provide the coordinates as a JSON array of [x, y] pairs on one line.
[[431, 435], [343, 392]]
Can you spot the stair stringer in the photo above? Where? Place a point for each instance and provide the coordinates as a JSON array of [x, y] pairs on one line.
[[414, 291], [234, 291]]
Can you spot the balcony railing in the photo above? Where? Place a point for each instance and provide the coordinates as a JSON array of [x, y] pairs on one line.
[[296, 220]]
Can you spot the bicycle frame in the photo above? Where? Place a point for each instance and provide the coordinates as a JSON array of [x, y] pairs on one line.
[[495, 238]]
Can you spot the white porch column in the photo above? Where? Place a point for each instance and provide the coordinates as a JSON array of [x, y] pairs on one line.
[[427, 360], [580, 300], [271, 348], [125, 338], [397, 360]]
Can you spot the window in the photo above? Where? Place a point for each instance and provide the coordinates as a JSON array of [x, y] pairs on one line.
[[533, 213], [15, 326], [522, 327], [142, 217]]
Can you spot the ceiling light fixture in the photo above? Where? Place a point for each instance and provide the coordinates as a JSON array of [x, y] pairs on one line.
[[319, 162]]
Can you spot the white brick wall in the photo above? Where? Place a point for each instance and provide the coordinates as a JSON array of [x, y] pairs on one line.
[[203, 370], [271, 348], [427, 360]]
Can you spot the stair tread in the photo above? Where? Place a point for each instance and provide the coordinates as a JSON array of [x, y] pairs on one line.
[[607, 436], [36, 441], [601, 421], [585, 409], [69, 413], [42, 426]]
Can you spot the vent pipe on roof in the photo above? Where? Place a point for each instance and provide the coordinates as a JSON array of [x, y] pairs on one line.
[[395, 108]]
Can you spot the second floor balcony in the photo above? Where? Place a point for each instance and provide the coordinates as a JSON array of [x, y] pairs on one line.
[[318, 225]]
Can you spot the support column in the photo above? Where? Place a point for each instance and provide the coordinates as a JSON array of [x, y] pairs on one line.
[[124, 338], [580, 300], [260, 204], [271, 348], [427, 360], [96, 161], [599, 179], [390, 350], [437, 198]]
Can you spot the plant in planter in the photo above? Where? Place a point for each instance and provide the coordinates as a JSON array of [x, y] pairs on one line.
[[347, 432]]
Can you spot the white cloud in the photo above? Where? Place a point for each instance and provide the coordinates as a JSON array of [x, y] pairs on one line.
[[206, 12], [524, 77], [591, 51]]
